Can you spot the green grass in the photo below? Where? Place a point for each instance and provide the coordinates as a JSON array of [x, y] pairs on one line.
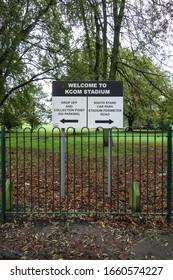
[[85, 142]]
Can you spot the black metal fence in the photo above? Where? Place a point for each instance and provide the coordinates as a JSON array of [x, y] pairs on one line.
[[56, 171]]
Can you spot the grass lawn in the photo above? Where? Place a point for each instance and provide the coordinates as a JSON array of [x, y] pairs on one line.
[[85, 142]]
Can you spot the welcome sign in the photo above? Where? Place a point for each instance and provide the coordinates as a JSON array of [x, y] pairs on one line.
[[87, 104]]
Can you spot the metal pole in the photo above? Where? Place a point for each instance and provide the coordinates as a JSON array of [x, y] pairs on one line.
[[62, 162], [109, 162], [3, 173], [169, 175]]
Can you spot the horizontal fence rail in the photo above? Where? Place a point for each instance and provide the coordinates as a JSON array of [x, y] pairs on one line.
[[71, 172]]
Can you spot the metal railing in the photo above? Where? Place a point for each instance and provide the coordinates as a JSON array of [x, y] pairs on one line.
[[71, 172]]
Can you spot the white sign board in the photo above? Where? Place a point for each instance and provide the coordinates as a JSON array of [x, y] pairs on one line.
[[87, 104], [105, 112], [69, 111]]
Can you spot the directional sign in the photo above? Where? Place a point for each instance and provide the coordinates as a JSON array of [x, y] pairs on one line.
[[105, 112], [87, 104], [69, 111]]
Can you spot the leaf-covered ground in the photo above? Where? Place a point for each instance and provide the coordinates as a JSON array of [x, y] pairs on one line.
[[86, 238], [37, 182]]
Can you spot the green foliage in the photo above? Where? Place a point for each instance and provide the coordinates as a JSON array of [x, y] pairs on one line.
[[9, 118], [144, 86], [26, 106], [35, 108], [33, 43], [77, 67], [33, 121], [79, 40]]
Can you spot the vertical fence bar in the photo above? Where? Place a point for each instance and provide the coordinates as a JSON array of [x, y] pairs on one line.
[[62, 162], [147, 172], [155, 170], [110, 163], [118, 169], [89, 157], [53, 170], [82, 171], [162, 171], [3, 174], [96, 171], [17, 166], [133, 177], [38, 169], [103, 177], [24, 169], [169, 174], [125, 168], [74, 169]]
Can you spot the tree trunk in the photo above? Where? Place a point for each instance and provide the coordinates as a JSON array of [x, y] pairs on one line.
[[87, 38], [118, 17], [105, 137], [130, 121], [104, 32], [97, 44]]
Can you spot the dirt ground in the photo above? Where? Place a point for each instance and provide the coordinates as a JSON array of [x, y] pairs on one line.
[[86, 238]]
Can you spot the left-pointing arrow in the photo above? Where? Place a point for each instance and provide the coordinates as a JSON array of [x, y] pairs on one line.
[[104, 121], [68, 121]]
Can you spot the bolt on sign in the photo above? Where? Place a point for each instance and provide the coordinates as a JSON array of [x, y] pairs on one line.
[[89, 104]]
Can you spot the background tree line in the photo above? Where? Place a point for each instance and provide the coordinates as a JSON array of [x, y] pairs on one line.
[[86, 40]]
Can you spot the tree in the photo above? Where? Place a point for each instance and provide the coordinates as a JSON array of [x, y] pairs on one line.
[[27, 105], [93, 15], [37, 110], [31, 43], [8, 118], [108, 25], [143, 82], [144, 85], [38, 39]]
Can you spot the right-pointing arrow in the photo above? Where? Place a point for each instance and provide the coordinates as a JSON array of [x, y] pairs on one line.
[[104, 121]]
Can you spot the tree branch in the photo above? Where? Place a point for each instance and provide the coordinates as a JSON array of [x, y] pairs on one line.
[[36, 77]]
